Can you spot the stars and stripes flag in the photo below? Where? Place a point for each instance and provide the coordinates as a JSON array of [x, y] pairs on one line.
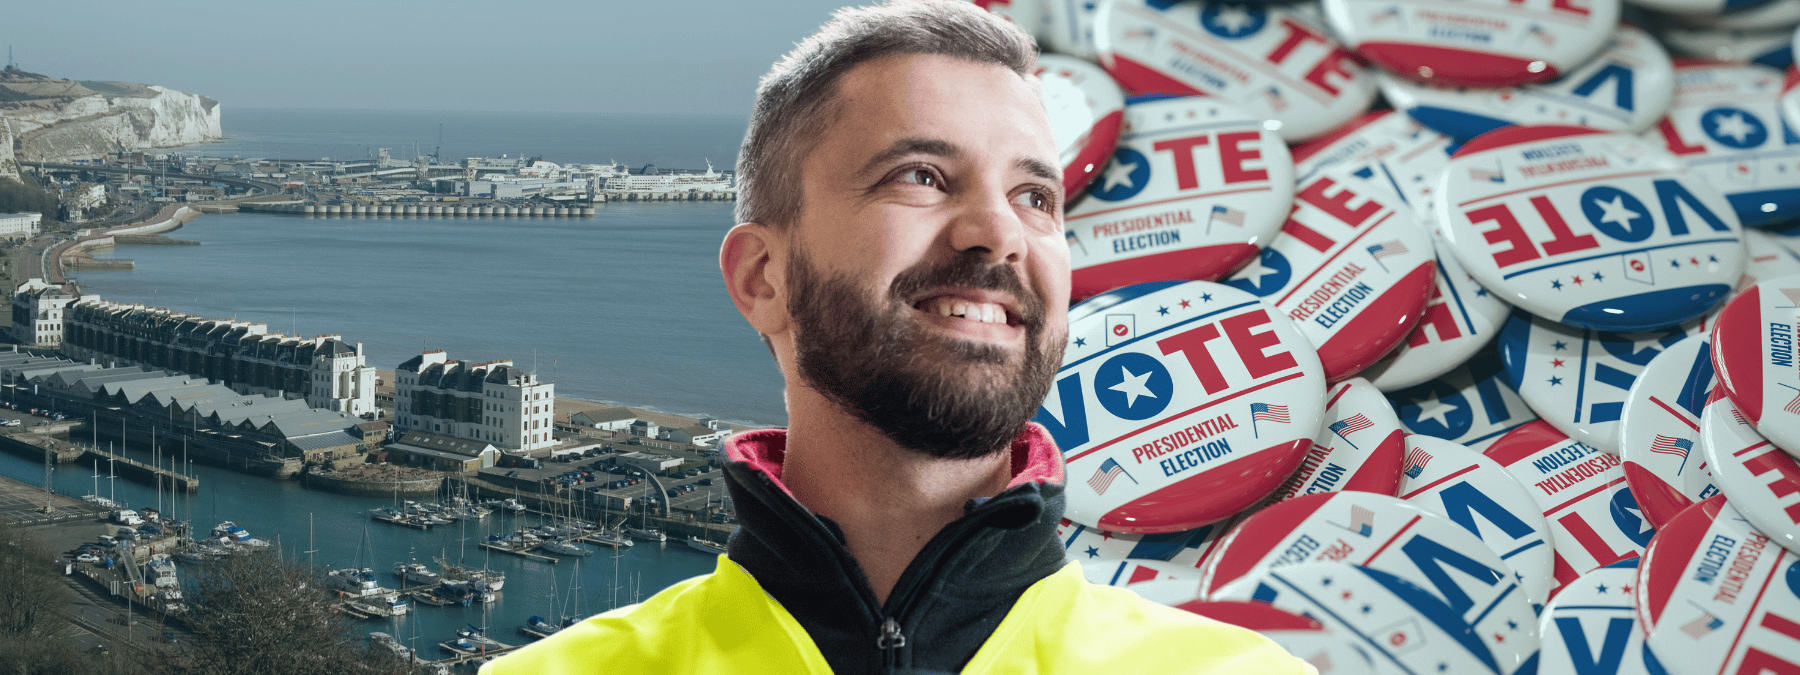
[[1103, 476], [1386, 249], [1794, 405], [1484, 174], [1266, 412], [1793, 295], [1069, 236], [1352, 424], [1538, 32], [1140, 34], [1392, 12], [1276, 100], [1701, 625], [1739, 416], [1670, 445], [1224, 214], [1416, 459], [1362, 521]]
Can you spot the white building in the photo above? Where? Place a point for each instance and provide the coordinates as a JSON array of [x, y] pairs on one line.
[[38, 313], [493, 402], [20, 224]]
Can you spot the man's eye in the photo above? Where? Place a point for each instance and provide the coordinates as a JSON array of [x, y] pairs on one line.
[[921, 177], [1033, 199]]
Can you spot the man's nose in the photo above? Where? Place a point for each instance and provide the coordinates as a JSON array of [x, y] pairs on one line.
[[987, 222]]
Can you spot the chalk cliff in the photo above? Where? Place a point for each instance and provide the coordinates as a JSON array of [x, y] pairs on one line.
[[54, 119]]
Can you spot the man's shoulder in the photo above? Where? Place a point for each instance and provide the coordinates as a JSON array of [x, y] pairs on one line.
[[613, 637]]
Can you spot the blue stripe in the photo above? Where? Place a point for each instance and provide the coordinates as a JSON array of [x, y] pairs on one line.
[[1617, 607], [1146, 336], [1116, 574], [1619, 253], [1492, 605], [1395, 183], [1468, 323], [1522, 549], [1581, 381], [1071, 540], [1497, 433], [1346, 624]]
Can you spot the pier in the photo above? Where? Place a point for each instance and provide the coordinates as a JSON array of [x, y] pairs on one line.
[[526, 553], [126, 466]]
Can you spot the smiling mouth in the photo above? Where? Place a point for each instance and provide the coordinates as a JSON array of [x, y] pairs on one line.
[[982, 312]]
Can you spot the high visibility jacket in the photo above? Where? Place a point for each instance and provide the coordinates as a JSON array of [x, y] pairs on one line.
[[724, 623]]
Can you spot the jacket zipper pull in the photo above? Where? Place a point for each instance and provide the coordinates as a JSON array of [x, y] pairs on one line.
[[890, 636]]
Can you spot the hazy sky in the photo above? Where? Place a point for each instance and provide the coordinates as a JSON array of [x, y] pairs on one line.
[[657, 56]]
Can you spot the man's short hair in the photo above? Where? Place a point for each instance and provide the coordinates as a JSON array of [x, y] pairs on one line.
[[797, 98]]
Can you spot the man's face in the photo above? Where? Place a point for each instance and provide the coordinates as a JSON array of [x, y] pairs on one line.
[[928, 276]]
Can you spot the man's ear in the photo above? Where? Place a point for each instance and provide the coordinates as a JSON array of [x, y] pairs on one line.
[[753, 260]]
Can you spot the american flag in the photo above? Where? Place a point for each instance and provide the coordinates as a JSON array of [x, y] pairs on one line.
[[1103, 476], [1264, 412], [1669, 445], [1140, 34], [1276, 101], [1362, 521], [1343, 428], [1484, 174], [1069, 236], [1739, 416], [1416, 461], [1793, 295], [1229, 215], [1392, 12], [1387, 248], [1538, 32], [1701, 625], [1794, 405]]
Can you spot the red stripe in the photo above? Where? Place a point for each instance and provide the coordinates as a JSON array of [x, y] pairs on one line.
[[1740, 453], [1677, 414], [1506, 136], [1345, 389], [1334, 256], [1390, 541], [1440, 481], [1534, 188], [1587, 494], [1190, 411], [1782, 552], [1528, 439]]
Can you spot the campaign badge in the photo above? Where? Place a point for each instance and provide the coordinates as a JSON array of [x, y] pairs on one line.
[[1486, 43], [1588, 228], [1726, 124], [1659, 431], [1359, 449], [1159, 582], [1753, 351], [1771, 257], [1594, 520], [1179, 404], [1029, 15], [1089, 544], [1194, 190], [1715, 595], [1302, 636], [1384, 149], [1472, 405], [1627, 87], [1755, 474], [1086, 110], [1403, 627], [1577, 379], [1207, 538], [1769, 47], [1273, 62], [1069, 27], [1752, 17], [1460, 318], [1591, 626], [1351, 268], [1373, 531], [1475, 492]]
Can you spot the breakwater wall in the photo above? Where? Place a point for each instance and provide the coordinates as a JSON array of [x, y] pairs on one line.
[[371, 487]]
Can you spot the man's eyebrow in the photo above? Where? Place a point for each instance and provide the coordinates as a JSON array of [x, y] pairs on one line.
[[1040, 169], [912, 146]]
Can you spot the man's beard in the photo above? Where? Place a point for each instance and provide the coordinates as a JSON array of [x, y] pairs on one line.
[[895, 373]]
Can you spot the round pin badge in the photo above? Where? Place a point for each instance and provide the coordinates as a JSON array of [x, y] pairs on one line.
[[1768, 47], [1086, 109], [1493, 43], [1589, 228], [1475, 492], [1090, 544], [1404, 628], [1460, 318], [1726, 125], [1753, 351], [1352, 270], [1383, 149], [1717, 596], [1755, 17], [1591, 626], [1577, 379], [1360, 448], [1761, 479], [1302, 636], [1271, 61], [1207, 538], [1472, 405], [1029, 15], [1659, 430], [1770, 257], [1069, 27], [1159, 582], [1194, 190], [1627, 87], [1179, 404], [1594, 520]]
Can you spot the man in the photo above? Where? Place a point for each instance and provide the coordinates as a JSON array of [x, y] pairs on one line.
[[901, 251]]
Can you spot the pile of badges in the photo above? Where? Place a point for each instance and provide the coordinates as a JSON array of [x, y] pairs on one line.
[[1429, 336]]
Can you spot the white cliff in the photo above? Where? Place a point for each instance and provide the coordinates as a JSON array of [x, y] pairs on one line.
[[64, 119]]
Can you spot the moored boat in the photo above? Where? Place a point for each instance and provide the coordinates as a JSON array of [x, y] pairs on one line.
[[705, 546]]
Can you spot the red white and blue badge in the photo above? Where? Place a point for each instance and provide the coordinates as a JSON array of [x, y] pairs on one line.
[[1029, 15], [1591, 627], [1194, 189], [1756, 475], [1659, 431], [1594, 521], [1771, 257], [1716, 596], [1726, 124], [1577, 379], [1086, 109], [1324, 649], [1625, 88], [1752, 17], [1404, 628], [1487, 43], [1769, 47], [1472, 405], [1594, 229], [1201, 547], [1376, 532], [1159, 582], [1460, 318], [1753, 350], [1089, 544], [1179, 404], [1384, 148], [1272, 61], [1471, 490], [1069, 27], [1352, 269], [1360, 448]]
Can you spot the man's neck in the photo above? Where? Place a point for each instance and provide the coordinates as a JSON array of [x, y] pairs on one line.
[[888, 500]]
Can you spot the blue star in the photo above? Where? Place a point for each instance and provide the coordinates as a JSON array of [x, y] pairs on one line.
[[1602, 588], [1712, 258], [1519, 576], [1207, 297], [1555, 381], [1597, 277], [1674, 264], [1163, 311], [1367, 609], [1325, 582], [1093, 552], [1081, 342], [1560, 345], [1556, 284], [1480, 292], [1443, 667], [1512, 625]]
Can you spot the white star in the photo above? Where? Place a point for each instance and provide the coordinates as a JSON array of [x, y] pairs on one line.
[[1732, 125], [1616, 212], [1434, 409], [1232, 19], [1116, 173], [1256, 271], [1133, 386], [1643, 523]]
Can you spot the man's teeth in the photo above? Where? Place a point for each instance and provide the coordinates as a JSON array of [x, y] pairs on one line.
[[973, 311]]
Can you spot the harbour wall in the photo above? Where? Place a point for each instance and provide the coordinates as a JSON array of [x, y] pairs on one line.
[[371, 488]]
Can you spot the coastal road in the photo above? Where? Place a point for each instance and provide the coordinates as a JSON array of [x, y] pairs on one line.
[[257, 188]]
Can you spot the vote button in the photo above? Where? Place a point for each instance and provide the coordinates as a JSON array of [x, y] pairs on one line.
[[1490, 43], [1086, 109], [1726, 124], [1716, 596], [1753, 351]]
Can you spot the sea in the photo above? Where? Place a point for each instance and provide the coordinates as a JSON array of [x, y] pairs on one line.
[[623, 308]]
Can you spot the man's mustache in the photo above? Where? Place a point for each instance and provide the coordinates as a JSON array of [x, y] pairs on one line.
[[967, 270]]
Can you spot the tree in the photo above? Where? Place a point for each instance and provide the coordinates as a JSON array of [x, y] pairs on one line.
[[259, 613], [17, 197], [34, 635]]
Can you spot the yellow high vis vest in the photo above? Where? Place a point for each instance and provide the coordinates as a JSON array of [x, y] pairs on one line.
[[725, 623]]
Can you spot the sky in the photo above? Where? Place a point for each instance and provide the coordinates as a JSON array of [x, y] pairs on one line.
[[692, 57]]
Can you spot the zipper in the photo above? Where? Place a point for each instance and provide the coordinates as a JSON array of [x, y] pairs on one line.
[[890, 642]]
